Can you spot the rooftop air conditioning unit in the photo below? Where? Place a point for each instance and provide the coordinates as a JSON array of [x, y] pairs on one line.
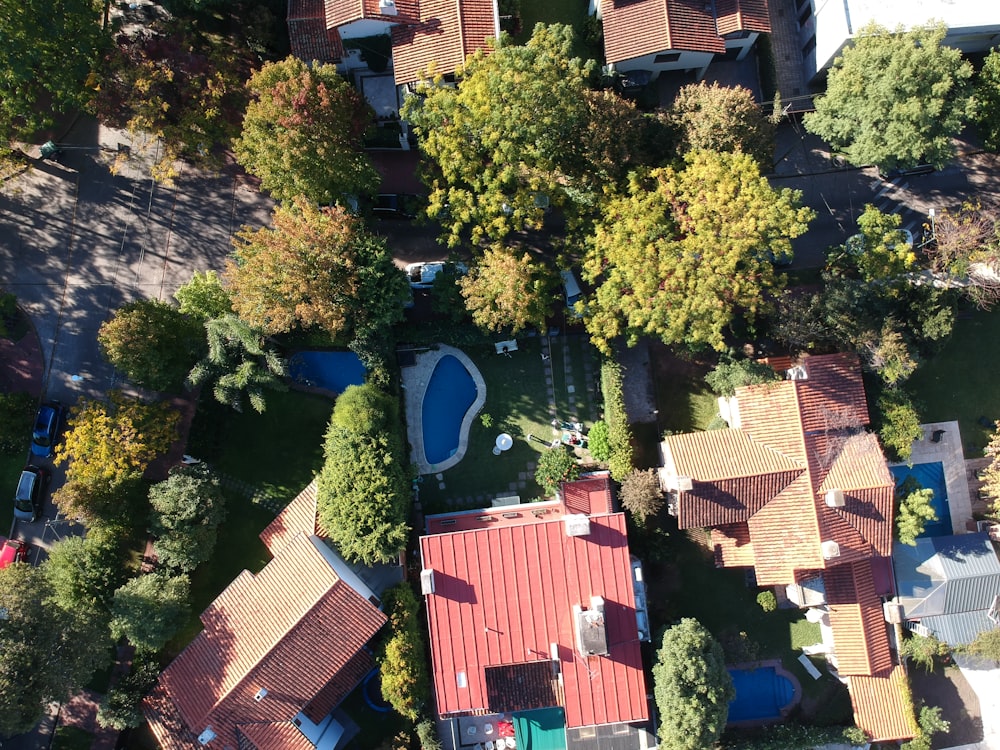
[[830, 549], [835, 498], [893, 612], [577, 524], [261, 695], [387, 7], [427, 581]]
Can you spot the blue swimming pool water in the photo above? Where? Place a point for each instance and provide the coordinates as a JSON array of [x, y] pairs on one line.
[[930, 476], [450, 393], [760, 694], [333, 371]]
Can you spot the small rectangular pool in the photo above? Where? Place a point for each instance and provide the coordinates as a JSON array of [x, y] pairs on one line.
[[930, 476], [329, 370]]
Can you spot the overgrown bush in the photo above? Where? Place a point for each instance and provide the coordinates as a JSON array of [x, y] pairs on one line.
[[789, 737], [731, 374], [641, 494], [554, 466], [427, 734], [987, 645], [121, 707], [619, 433], [898, 423], [17, 411], [767, 601], [598, 441], [405, 683], [923, 650]]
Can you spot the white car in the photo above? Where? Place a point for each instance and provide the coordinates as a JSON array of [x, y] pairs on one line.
[[856, 242], [422, 274]]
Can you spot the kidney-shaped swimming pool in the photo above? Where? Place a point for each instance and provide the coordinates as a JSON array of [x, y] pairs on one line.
[[451, 392]]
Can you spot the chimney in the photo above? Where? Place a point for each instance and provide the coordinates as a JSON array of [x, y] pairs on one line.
[[835, 498], [830, 549], [427, 581]]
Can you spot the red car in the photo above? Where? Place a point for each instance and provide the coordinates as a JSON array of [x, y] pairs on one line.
[[13, 550]]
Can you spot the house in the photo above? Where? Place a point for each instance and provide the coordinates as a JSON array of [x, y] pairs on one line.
[[948, 586], [419, 33], [796, 489], [682, 35], [279, 651], [534, 626], [826, 28]]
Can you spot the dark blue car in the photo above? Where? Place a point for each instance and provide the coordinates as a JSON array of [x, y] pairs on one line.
[[47, 424]]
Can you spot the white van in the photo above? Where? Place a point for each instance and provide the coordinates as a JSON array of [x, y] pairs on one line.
[[571, 288]]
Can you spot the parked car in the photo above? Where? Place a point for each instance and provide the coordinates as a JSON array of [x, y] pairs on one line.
[[572, 292], [12, 551], [47, 423], [422, 274], [396, 206], [28, 497]]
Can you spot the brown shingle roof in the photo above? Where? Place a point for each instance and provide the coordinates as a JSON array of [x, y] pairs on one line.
[[448, 31], [742, 15], [291, 629], [881, 708], [298, 517], [633, 28]]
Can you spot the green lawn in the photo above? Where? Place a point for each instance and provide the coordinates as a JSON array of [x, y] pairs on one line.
[[960, 382], [71, 738], [517, 402], [684, 401], [376, 726]]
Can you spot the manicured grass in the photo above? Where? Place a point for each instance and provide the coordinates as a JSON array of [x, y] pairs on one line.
[[960, 382], [517, 402], [71, 738], [685, 402], [578, 402]]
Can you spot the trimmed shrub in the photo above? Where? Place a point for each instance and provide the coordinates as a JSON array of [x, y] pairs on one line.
[[767, 601], [598, 441], [619, 433]]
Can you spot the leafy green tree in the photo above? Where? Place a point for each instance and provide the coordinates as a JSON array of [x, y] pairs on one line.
[[427, 734], [403, 668], [987, 645], [930, 723], [599, 441], [619, 432], [44, 75], [204, 297], [880, 251], [121, 707], [187, 509], [899, 423], [988, 101], [641, 494], [767, 601], [688, 250], [967, 245], [315, 267], [731, 374], [722, 118], [153, 343], [923, 650], [556, 465], [84, 572], [887, 354], [691, 686], [47, 651], [914, 511], [149, 609], [107, 443], [991, 474], [507, 290], [240, 363], [303, 134], [363, 489], [104, 502], [17, 413], [894, 99], [520, 133]]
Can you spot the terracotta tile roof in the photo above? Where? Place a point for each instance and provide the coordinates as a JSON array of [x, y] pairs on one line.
[[283, 735], [504, 594], [591, 495], [732, 546], [293, 629], [769, 414], [166, 724], [722, 454], [785, 535], [308, 34], [343, 12], [742, 15], [298, 517], [728, 501], [860, 639], [448, 31], [881, 708], [633, 28], [833, 394]]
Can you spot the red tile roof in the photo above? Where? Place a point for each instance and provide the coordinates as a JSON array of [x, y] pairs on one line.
[[447, 33], [505, 594], [633, 28], [881, 707], [298, 517], [860, 638], [591, 495], [742, 15], [282, 735], [343, 12], [723, 454], [308, 34], [293, 629], [732, 546]]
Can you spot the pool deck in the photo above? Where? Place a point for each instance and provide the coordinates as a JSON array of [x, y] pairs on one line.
[[415, 381], [948, 450]]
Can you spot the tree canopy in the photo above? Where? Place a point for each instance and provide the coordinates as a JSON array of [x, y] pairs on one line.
[[556, 465], [204, 297], [691, 686], [689, 250], [153, 343], [880, 251], [149, 609], [315, 267], [363, 490], [894, 99], [303, 134], [915, 511], [403, 666], [85, 571], [186, 510], [722, 118], [731, 374], [522, 132], [49, 49], [988, 101], [47, 651], [507, 290]]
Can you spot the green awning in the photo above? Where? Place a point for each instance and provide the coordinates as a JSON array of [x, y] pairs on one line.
[[544, 729]]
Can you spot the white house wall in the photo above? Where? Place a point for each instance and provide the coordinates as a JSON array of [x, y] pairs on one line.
[[364, 27], [696, 61], [973, 25]]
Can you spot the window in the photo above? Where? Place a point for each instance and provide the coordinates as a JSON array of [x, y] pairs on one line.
[[809, 46], [805, 15], [668, 57]]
